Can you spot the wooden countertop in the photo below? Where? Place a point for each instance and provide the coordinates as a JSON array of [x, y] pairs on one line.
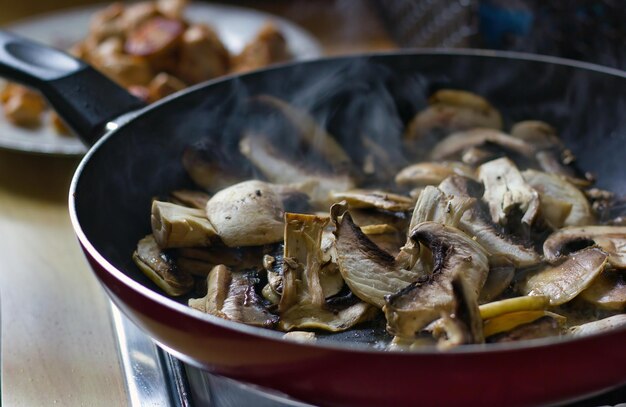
[[57, 339]]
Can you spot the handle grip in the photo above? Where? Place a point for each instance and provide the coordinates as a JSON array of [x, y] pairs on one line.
[[82, 96]]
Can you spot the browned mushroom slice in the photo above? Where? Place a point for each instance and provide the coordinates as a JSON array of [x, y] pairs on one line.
[[212, 168], [316, 183], [431, 173], [506, 191], [451, 110], [302, 303], [194, 267], [538, 133], [302, 259], [542, 327], [479, 226], [370, 272], [513, 320], [598, 327], [231, 295], [562, 203], [309, 132], [565, 281], [159, 267], [193, 199], [436, 206], [363, 199], [179, 226], [498, 280], [612, 239], [608, 291], [464, 325], [457, 143], [247, 214], [455, 255]]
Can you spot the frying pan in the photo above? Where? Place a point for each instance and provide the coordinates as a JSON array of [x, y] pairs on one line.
[[138, 156]]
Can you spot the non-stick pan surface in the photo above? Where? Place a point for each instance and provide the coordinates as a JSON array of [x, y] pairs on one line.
[[113, 187]]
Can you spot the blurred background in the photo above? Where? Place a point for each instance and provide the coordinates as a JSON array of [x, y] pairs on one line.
[[590, 30]]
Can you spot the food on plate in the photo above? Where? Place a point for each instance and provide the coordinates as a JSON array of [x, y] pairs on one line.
[[153, 51], [479, 236]]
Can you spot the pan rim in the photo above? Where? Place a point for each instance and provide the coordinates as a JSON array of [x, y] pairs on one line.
[[268, 334]]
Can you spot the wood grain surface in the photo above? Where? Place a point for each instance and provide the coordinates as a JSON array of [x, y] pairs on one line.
[[58, 346]]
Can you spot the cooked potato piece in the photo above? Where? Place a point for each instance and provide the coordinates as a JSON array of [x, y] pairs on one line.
[[202, 55]]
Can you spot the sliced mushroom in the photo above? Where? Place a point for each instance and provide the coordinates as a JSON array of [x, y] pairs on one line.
[[431, 173], [562, 204], [457, 143], [498, 280], [545, 326], [506, 191], [479, 226], [318, 185], [598, 327], [231, 295], [611, 239], [538, 133], [565, 281], [608, 291], [308, 316], [235, 257], [374, 199], [370, 272], [562, 164], [436, 206], [451, 110], [247, 214], [455, 255], [179, 226], [509, 321], [161, 268], [309, 132], [302, 259], [464, 325]]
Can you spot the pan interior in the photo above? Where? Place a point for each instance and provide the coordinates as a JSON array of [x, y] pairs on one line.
[[142, 159]]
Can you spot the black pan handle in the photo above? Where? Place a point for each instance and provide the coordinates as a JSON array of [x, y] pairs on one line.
[[82, 96]]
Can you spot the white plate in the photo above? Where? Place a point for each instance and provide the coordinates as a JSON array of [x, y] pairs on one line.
[[236, 26]]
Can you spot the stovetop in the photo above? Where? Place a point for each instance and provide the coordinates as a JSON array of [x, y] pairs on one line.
[[156, 378]]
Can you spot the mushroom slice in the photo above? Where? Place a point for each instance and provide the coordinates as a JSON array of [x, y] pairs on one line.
[[562, 203], [212, 168], [457, 143], [247, 214], [565, 281], [231, 295], [160, 267], [192, 199], [365, 199], [308, 316], [302, 260], [506, 190], [498, 280], [455, 256], [179, 226], [194, 267], [464, 325], [538, 133], [310, 132], [370, 272], [523, 326], [452, 110], [314, 182], [436, 206], [431, 173], [302, 304], [608, 291], [597, 327], [611, 239], [517, 304], [562, 164], [479, 226]]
